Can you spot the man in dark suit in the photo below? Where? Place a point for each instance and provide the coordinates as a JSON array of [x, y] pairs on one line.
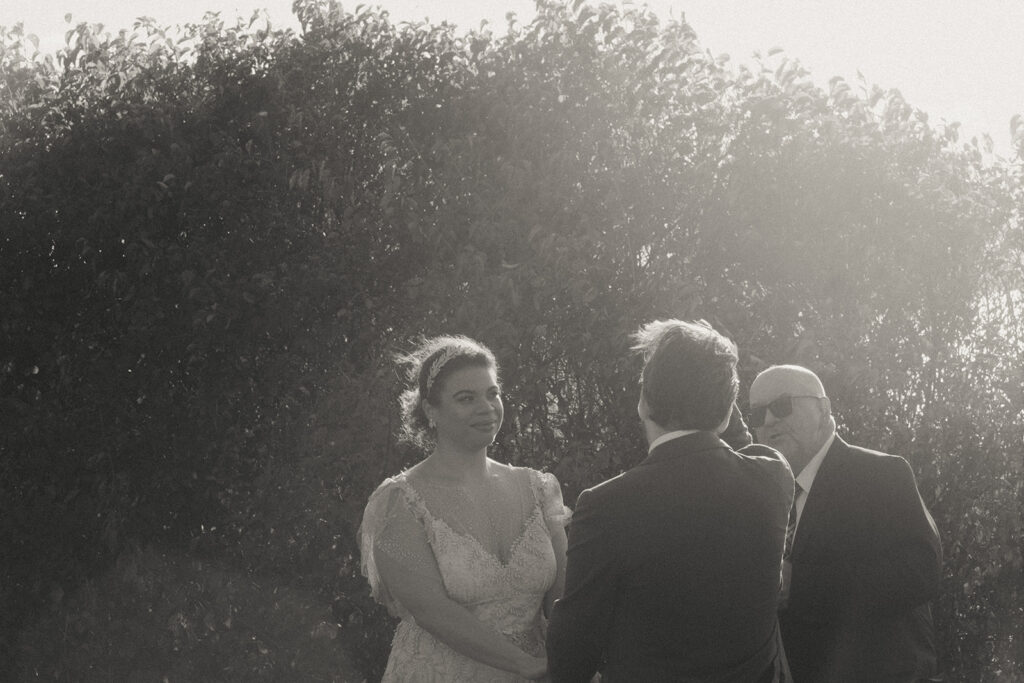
[[865, 558], [674, 567]]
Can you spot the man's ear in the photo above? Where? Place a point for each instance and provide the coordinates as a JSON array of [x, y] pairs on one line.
[[826, 411], [642, 409], [725, 423], [826, 405]]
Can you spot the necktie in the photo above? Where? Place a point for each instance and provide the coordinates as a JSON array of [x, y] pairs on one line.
[[791, 527]]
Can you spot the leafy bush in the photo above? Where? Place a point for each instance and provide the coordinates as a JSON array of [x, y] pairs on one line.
[[211, 244], [153, 616]]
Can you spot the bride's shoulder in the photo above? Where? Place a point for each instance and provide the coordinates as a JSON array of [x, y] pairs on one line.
[[395, 495], [509, 471], [502, 468], [393, 480], [393, 486], [528, 476]]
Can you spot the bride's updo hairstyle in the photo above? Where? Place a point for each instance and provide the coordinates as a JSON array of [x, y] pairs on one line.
[[429, 366]]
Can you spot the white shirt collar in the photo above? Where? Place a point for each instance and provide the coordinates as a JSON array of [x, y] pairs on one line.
[[810, 470], [805, 479], [668, 436]]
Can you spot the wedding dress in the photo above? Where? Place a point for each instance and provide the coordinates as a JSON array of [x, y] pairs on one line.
[[498, 565]]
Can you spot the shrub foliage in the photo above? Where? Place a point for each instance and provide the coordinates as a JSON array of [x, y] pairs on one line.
[[212, 242]]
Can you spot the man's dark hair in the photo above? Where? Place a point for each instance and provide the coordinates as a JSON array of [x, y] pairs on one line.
[[689, 377]]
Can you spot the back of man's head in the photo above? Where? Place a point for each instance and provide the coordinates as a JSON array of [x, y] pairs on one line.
[[689, 377]]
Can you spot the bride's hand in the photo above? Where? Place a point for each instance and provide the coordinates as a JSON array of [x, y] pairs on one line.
[[534, 668]]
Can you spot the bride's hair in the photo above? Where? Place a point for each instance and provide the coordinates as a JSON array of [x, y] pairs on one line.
[[427, 368]]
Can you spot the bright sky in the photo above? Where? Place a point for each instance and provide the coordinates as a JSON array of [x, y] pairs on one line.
[[957, 60]]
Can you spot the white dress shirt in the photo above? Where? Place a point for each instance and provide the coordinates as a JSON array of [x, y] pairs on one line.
[[668, 436], [806, 477]]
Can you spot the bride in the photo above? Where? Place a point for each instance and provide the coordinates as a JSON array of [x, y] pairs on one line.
[[468, 552]]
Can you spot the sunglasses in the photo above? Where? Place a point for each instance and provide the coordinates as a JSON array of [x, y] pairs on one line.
[[780, 407]]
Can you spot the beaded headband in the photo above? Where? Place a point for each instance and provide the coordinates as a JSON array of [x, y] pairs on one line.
[[442, 359]]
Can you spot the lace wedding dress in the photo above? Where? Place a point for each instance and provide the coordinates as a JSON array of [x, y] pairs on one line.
[[499, 565]]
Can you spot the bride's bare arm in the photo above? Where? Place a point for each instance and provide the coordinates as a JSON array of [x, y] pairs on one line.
[[556, 515], [559, 543], [422, 593]]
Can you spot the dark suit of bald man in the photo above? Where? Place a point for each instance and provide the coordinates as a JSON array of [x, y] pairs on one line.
[[866, 561]]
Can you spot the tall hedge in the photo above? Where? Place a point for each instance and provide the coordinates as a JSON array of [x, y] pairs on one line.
[[212, 243]]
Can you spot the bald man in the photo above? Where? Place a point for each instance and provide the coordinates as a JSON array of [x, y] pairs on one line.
[[863, 557]]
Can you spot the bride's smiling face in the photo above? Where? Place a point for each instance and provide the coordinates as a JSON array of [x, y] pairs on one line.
[[468, 411]]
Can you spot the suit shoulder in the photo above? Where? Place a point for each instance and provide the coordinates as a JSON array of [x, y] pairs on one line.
[[757, 450], [620, 490], [866, 469], [609, 487], [876, 459], [767, 459]]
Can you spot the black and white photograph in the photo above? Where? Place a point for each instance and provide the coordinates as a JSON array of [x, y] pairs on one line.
[[496, 341]]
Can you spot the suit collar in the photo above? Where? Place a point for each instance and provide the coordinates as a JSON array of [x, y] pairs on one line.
[[834, 454], [810, 471], [829, 472], [826, 481], [690, 443], [668, 436]]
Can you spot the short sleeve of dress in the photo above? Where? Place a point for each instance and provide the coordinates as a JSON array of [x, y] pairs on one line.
[[395, 524], [549, 495]]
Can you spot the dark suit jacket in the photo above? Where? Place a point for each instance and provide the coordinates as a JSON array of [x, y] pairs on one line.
[[673, 569], [866, 562]]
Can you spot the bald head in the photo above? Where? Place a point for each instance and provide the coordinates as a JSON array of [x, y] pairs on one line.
[[791, 379], [797, 415]]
